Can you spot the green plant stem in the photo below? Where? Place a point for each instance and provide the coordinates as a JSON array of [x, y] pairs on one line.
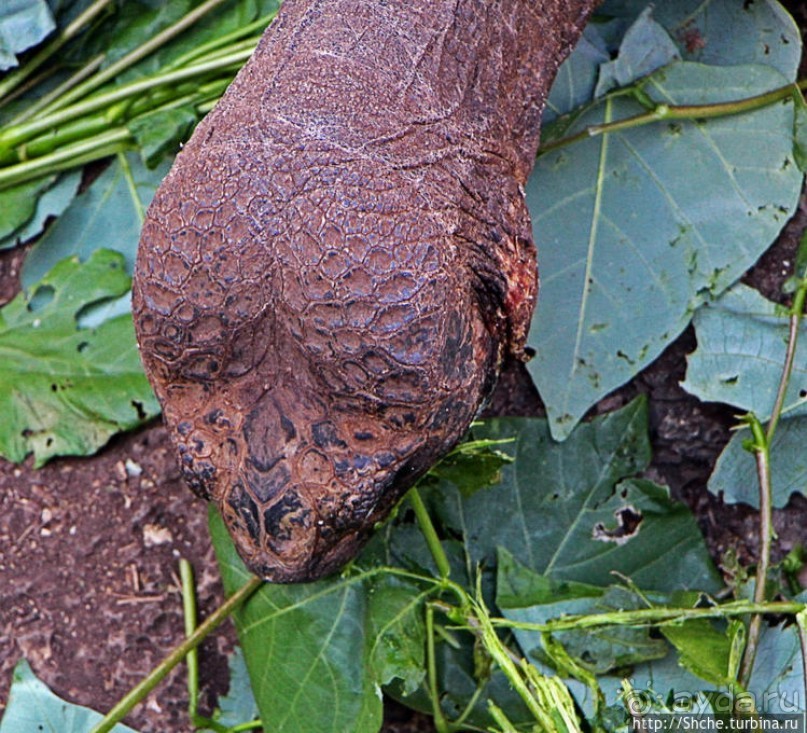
[[430, 534], [85, 71], [762, 441], [73, 29], [660, 616], [796, 315], [217, 44], [668, 112], [440, 723], [192, 660], [72, 156], [801, 621], [138, 693], [251, 725], [136, 55], [17, 134], [509, 667], [762, 456]]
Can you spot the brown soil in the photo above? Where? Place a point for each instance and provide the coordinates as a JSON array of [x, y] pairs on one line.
[[89, 548]]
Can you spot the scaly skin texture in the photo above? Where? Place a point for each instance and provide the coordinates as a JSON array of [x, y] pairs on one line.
[[341, 257]]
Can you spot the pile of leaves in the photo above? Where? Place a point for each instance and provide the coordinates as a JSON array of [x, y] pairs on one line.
[[535, 579]]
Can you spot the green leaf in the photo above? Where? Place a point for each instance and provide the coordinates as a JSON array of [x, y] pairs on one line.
[[528, 597], [725, 32], [65, 390], [318, 652], [800, 132], [399, 636], [107, 215], [238, 705], [777, 677], [33, 708], [703, 650], [742, 340], [565, 511], [645, 48], [472, 465], [18, 204], [577, 76], [160, 133], [735, 475], [23, 23], [28, 213], [630, 248]]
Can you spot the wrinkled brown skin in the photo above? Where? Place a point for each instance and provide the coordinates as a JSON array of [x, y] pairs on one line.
[[333, 271]]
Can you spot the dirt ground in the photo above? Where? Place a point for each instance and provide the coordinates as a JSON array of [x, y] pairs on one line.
[[89, 548]]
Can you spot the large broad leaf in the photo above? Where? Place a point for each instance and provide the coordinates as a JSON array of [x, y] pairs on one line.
[[33, 708], [318, 653], [568, 511], [629, 247], [735, 475], [742, 340], [23, 23], [109, 215], [66, 390]]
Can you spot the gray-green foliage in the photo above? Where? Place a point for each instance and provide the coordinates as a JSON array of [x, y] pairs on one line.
[[33, 708], [107, 215], [742, 340], [23, 23], [559, 507], [735, 475], [629, 247]]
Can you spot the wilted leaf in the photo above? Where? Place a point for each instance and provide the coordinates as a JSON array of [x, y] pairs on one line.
[[645, 48], [18, 204], [630, 248], [735, 475], [725, 32], [32, 707], [23, 24], [65, 390], [318, 652], [50, 202], [742, 340]]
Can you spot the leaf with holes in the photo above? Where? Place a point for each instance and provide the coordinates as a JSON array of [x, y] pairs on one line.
[[571, 511], [66, 390], [742, 341], [630, 248]]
